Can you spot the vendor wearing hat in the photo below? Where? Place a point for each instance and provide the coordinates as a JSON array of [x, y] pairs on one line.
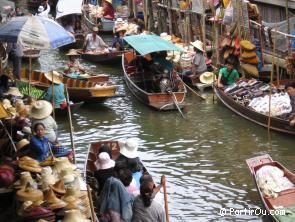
[[118, 41], [73, 69], [44, 11], [199, 65], [227, 75], [93, 42], [59, 89]]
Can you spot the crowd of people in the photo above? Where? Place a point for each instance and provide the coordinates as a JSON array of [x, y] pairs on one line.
[[125, 192]]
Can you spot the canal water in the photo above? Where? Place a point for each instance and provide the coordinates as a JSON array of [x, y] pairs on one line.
[[202, 156]]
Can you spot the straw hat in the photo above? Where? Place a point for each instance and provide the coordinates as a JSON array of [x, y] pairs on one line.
[[105, 161], [165, 36], [74, 216], [29, 164], [54, 202], [47, 178], [109, 1], [41, 109], [250, 69], [254, 60], [72, 191], [27, 130], [14, 91], [122, 28], [129, 148], [59, 187], [248, 54], [72, 52], [95, 29], [247, 45], [22, 110], [40, 9], [207, 77], [22, 144], [6, 103], [29, 193], [54, 77], [198, 44], [25, 177]]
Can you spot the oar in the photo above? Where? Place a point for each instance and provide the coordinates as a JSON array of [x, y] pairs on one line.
[[165, 197], [93, 217], [193, 91], [175, 102]]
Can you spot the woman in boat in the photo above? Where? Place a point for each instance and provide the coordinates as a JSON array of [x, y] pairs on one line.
[[105, 169], [290, 88], [73, 68], [93, 42], [145, 209], [40, 112], [227, 75], [39, 144], [118, 41], [198, 65], [128, 154], [109, 12], [56, 95], [78, 27]]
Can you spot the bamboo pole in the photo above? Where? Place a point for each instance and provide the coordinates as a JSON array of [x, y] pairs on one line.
[[169, 17], [70, 124], [287, 16], [150, 15], [30, 74], [270, 84], [53, 95], [93, 217], [8, 134]]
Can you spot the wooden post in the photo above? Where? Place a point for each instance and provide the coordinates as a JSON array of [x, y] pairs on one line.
[[287, 16], [150, 15], [70, 125], [130, 6], [166, 200], [53, 95], [30, 74], [93, 217], [169, 17], [144, 5]]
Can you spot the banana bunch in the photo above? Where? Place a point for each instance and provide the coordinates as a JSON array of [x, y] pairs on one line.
[[34, 92]]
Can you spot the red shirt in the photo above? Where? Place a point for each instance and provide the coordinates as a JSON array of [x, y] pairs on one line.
[[109, 12]]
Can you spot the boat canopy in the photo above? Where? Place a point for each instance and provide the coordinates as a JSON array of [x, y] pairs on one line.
[[145, 44], [67, 7]]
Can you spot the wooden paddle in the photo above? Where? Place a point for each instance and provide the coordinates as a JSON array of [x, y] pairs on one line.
[[175, 102], [192, 90], [163, 181]]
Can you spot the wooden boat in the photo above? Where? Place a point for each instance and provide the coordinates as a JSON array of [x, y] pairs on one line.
[[109, 58], [285, 198], [99, 78], [64, 112], [31, 53], [140, 81], [78, 44], [106, 25], [79, 90], [276, 124]]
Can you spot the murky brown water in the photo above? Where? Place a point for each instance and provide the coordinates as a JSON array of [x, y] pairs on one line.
[[203, 156]]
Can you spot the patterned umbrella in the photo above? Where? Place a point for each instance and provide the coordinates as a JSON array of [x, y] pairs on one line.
[[35, 32]]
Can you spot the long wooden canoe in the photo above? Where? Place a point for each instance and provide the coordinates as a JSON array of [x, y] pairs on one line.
[[276, 124], [285, 198], [138, 83], [99, 78], [79, 90], [109, 57]]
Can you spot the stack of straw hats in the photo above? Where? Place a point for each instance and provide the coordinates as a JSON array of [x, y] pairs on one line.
[[29, 164], [248, 58]]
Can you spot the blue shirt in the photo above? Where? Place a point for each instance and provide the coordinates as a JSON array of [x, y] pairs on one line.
[[136, 177], [59, 95], [39, 148], [120, 41], [164, 62]]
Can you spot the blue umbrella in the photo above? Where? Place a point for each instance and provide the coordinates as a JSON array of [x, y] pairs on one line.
[[35, 32]]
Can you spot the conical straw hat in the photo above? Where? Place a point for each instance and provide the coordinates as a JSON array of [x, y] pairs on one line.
[[207, 77], [29, 193], [40, 109], [59, 187], [25, 177], [198, 44], [54, 77]]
